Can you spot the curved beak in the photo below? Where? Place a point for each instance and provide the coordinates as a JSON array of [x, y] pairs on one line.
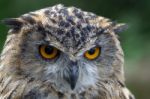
[[73, 75]]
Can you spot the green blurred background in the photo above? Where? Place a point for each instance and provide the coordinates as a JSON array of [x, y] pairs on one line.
[[135, 41]]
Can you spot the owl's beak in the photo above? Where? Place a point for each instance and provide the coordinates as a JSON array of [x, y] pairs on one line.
[[73, 75]]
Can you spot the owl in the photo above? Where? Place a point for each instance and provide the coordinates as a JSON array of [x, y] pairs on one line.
[[62, 53]]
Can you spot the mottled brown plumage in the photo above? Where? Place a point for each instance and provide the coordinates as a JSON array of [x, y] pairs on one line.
[[24, 74]]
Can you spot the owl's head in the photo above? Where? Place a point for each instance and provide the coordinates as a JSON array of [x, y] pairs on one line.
[[64, 46]]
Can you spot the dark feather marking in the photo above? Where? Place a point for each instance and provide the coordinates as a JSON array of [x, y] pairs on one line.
[[122, 85], [13, 23], [131, 97], [60, 95], [73, 96], [29, 19], [33, 94], [121, 28], [53, 21], [47, 12]]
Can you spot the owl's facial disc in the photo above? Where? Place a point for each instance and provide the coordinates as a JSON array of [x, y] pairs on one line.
[[66, 73]]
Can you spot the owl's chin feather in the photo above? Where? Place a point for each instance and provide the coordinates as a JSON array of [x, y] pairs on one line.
[[25, 89]]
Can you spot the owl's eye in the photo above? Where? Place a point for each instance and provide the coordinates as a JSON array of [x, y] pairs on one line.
[[48, 52], [93, 53]]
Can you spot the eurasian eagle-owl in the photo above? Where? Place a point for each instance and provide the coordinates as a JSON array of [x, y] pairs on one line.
[[62, 53]]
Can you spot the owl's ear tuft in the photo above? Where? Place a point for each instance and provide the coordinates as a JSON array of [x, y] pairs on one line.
[[120, 27], [13, 23]]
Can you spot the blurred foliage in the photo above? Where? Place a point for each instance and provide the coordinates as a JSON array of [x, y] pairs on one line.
[[135, 40]]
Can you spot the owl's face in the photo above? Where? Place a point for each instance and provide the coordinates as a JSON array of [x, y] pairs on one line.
[[66, 47]]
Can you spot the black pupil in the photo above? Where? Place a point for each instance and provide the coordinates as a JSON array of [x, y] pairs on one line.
[[49, 49], [91, 51]]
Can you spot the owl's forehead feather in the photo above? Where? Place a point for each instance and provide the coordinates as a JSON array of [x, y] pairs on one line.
[[70, 27]]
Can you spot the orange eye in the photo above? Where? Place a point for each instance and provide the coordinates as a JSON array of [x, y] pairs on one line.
[[48, 52], [92, 53]]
